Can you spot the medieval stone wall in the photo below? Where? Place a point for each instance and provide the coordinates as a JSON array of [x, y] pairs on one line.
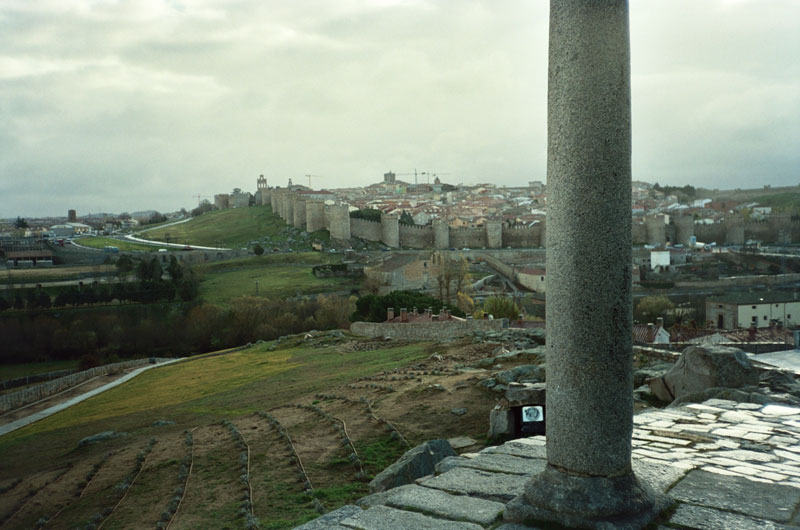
[[416, 236], [522, 236], [364, 229], [468, 238]]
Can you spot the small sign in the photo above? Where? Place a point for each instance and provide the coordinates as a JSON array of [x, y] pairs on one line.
[[530, 419]]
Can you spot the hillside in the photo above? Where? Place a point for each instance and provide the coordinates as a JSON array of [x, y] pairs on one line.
[[786, 198], [272, 276], [312, 418], [236, 228]]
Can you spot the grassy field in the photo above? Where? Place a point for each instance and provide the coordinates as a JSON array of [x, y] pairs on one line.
[[289, 401], [204, 390], [234, 228], [122, 245], [278, 276], [786, 201]]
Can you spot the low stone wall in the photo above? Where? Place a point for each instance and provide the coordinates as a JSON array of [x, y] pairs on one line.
[[26, 396], [31, 379], [771, 279], [426, 330]]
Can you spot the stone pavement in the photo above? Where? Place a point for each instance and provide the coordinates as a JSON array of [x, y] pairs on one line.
[[727, 465]]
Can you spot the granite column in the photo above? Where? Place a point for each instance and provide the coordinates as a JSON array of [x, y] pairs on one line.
[[588, 481]]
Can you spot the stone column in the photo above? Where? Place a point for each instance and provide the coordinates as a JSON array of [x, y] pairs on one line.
[[588, 481]]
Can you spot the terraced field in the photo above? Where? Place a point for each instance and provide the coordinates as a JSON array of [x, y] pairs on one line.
[[264, 438]]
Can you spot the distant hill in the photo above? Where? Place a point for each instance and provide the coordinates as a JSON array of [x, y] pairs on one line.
[[237, 227]]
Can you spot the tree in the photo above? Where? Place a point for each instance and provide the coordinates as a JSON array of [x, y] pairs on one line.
[[4, 304], [124, 265], [174, 270], [649, 308], [501, 307], [202, 208], [20, 223], [258, 249], [406, 218]]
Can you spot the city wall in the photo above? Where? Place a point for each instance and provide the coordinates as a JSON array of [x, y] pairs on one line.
[[364, 229], [522, 236], [314, 215], [426, 330], [416, 236], [467, 238]]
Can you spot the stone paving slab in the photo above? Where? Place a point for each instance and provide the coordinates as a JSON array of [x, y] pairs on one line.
[[737, 494], [519, 449], [729, 465], [330, 521], [503, 463], [705, 518], [500, 487], [385, 518], [438, 503]]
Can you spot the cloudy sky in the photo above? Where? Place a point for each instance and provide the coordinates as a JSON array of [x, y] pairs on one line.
[[115, 105]]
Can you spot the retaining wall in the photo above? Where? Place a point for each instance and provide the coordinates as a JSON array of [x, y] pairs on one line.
[[426, 330], [26, 396]]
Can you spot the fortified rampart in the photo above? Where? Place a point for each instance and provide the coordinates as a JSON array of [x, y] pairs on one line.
[[313, 215], [426, 330], [441, 235], [221, 201], [467, 238], [299, 207], [365, 229], [390, 230], [416, 236], [338, 221], [522, 236]]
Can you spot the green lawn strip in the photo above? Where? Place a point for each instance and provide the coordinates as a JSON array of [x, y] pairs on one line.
[[220, 287], [122, 245]]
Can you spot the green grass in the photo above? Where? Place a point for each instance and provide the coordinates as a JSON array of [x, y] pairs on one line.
[[784, 201], [275, 281], [123, 246], [233, 227], [12, 371], [204, 390]]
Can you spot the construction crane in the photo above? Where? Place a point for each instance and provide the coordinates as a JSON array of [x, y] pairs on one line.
[[429, 173], [198, 197], [309, 179]]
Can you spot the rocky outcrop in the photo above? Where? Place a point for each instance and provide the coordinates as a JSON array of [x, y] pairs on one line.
[[702, 367], [415, 463]]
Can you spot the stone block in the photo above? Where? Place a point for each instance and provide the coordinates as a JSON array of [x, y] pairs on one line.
[[440, 504], [500, 487], [330, 520], [526, 394], [768, 501], [415, 463], [705, 518], [504, 463], [502, 423], [386, 518], [705, 366]]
